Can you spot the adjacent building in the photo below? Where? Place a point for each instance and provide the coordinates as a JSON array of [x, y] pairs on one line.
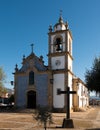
[[81, 98]]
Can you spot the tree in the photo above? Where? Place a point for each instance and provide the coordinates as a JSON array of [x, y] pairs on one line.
[[11, 98], [2, 78], [92, 76], [44, 115]]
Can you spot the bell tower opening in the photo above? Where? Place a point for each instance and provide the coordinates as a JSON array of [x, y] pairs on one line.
[[58, 44], [31, 99]]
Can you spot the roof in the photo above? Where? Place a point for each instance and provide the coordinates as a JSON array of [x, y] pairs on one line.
[[30, 62]]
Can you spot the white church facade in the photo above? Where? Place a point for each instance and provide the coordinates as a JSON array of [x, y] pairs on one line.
[[37, 84]]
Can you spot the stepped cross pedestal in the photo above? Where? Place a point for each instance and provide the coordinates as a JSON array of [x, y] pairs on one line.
[[67, 122]]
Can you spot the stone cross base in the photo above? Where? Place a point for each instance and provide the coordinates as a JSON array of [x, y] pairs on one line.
[[67, 123]]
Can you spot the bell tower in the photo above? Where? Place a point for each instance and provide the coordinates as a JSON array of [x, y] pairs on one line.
[[60, 61]]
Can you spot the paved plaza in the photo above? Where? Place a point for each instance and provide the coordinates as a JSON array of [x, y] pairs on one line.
[[86, 120]]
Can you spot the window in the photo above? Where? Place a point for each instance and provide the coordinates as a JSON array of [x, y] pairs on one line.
[[31, 78]]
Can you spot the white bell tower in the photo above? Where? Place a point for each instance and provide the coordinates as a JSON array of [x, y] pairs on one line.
[[60, 62]]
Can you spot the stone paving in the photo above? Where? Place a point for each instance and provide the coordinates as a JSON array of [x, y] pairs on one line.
[[87, 120]]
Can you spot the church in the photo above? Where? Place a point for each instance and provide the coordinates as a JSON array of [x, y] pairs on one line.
[[37, 84]]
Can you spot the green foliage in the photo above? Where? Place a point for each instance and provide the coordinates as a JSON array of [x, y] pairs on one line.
[[2, 78], [92, 76], [2, 74], [3, 90], [11, 99], [44, 115]]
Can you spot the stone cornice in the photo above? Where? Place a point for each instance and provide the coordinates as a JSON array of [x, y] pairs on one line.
[[78, 80], [35, 70], [61, 71], [61, 31], [59, 54]]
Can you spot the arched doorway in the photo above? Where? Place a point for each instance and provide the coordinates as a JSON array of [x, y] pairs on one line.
[[31, 99]]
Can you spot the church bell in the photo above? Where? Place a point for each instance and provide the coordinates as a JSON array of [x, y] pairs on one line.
[[58, 47], [58, 44]]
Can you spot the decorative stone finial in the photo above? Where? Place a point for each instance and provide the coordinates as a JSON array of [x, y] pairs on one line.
[[60, 18], [16, 67], [23, 57], [32, 48], [50, 28], [66, 25], [60, 13], [41, 59]]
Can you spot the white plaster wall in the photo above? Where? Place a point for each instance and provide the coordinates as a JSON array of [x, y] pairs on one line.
[[58, 100], [79, 93], [81, 96], [62, 60], [70, 85], [70, 64], [85, 97], [63, 36], [52, 37], [59, 27], [69, 41]]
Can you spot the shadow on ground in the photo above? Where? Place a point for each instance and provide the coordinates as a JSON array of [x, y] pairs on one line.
[[94, 129]]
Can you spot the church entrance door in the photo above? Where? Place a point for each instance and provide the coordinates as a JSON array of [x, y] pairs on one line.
[[31, 99]]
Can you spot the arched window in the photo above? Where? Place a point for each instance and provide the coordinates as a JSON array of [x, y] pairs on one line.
[[31, 78]]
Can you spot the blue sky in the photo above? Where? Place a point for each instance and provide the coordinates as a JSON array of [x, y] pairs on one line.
[[23, 22]]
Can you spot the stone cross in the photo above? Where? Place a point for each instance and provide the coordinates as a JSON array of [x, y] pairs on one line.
[[68, 92], [60, 13], [32, 47]]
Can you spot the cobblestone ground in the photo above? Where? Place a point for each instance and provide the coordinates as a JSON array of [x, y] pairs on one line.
[[87, 120]]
